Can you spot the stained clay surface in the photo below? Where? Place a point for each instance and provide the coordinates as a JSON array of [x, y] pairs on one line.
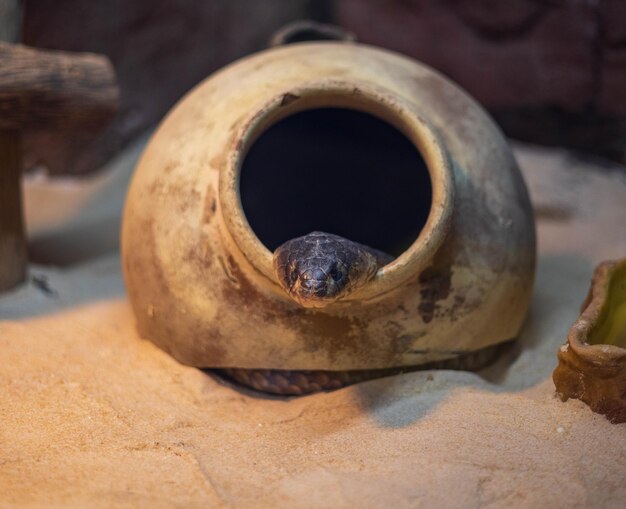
[[94, 416]]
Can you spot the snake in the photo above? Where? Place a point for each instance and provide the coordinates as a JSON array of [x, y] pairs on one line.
[[321, 268], [316, 270]]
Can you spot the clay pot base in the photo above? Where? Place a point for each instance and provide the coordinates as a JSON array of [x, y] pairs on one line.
[[592, 364], [300, 382]]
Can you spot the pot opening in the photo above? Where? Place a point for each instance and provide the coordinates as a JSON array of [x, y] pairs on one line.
[[338, 171]]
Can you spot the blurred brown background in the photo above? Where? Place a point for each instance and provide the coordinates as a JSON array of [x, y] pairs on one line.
[[550, 71]]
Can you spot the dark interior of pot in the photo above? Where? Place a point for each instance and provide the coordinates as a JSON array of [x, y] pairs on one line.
[[338, 171]]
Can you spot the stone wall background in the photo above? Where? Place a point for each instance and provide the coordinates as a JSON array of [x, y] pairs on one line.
[[550, 71]]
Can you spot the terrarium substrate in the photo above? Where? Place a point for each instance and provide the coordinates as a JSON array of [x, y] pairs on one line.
[[92, 415]]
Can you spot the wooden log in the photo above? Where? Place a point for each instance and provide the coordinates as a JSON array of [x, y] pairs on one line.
[[13, 261], [54, 89], [42, 90], [12, 239]]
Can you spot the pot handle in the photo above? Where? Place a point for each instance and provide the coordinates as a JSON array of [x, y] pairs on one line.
[[307, 30]]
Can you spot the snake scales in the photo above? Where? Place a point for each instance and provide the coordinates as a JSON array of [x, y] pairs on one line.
[[316, 270]]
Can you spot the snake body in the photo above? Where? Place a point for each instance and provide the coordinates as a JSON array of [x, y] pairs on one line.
[[316, 270]]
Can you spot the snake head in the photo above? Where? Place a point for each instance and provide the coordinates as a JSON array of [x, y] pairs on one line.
[[320, 268], [318, 282]]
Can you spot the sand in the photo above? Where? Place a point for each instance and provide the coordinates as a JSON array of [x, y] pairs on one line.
[[91, 415]]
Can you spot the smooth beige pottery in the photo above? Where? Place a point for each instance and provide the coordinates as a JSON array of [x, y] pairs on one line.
[[201, 282]]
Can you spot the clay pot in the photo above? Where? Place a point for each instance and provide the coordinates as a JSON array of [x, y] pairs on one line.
[[336, 137], [592, 364]]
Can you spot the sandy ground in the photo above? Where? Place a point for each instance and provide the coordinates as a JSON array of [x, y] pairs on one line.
[[93, 416]]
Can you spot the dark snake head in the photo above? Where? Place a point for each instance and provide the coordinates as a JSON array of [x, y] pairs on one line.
[[320, 268]]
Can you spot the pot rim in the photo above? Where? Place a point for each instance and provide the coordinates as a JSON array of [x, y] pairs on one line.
[[591, 311], [379, 102]]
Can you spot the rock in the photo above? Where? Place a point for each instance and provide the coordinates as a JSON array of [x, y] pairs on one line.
[[550, 72]]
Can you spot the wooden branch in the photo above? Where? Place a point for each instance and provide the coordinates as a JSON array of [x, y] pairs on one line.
[[54, 89], [12, 239], [42, 90]]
